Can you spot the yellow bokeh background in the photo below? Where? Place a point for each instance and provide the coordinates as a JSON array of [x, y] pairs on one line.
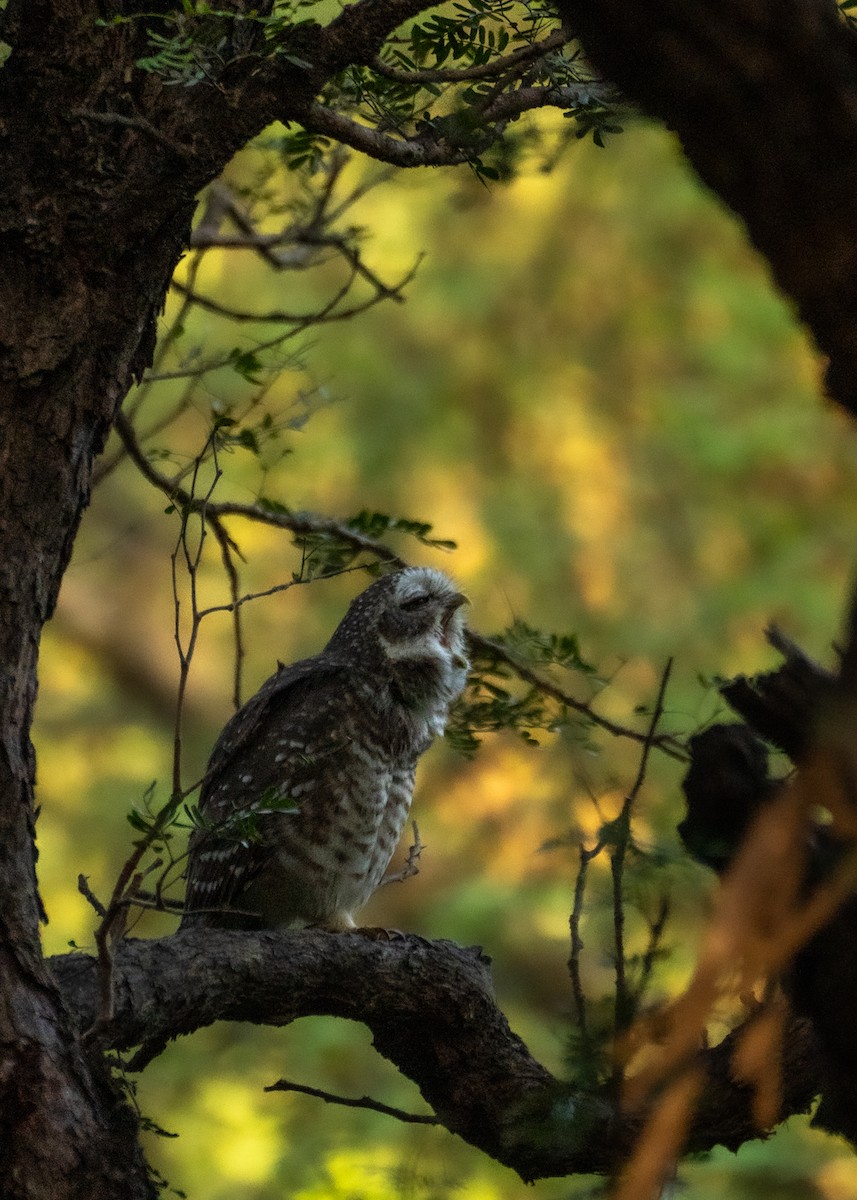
[[594, 390]]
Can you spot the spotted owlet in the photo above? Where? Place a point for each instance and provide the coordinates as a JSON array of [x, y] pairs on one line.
[[309, 785]]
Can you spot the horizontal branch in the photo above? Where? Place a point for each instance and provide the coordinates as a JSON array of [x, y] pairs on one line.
[[407, 1118], [431, 1010], [435, 145]]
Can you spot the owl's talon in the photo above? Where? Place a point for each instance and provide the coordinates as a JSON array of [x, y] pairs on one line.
[[379, 933]]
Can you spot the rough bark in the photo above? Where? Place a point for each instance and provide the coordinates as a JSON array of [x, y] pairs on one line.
[[764, 100], [431, 1009], [101, 165]]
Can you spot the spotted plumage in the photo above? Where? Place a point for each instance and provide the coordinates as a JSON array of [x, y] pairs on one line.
[[309, 785]]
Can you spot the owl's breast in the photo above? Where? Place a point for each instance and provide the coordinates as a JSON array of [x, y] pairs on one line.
[[333, 851]]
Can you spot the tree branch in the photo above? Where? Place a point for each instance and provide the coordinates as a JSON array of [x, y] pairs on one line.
[[359, 31], [436, 147], [664, 742], [399, 151], [304, 524], [431, 1010], [407, 1118]]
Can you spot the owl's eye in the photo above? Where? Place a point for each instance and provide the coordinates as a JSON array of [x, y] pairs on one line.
[[414, 603]]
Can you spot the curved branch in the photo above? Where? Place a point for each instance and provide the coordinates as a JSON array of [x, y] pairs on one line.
[[303, 320], [431, 1010]]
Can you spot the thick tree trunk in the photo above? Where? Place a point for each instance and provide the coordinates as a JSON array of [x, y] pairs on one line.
[[78, 304]]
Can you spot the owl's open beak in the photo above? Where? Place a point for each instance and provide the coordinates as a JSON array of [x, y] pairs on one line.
[[453, 604]]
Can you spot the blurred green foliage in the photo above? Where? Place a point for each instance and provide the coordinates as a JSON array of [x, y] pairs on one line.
[[595, 393]]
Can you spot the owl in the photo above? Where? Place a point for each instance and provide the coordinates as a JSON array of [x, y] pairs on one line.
[[309, 785]]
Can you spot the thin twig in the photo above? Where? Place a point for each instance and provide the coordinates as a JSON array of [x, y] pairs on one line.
[[285, 1085], [88, 894], [227, 549], [656, 933], [192, 559], [650, 739], [620, 844], [585, 857]]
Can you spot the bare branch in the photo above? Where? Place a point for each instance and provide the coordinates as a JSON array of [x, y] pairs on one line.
[[228, 549], [284, 1085], [325, 315], [578, 995], [657, 925], [88, 894], [650, 738], [623, 1004]]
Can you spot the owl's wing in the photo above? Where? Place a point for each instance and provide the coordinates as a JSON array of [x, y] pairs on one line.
[[287, 684], [267, 750]]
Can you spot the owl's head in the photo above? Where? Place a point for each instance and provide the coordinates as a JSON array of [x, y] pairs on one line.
[[422, 615], [413, 619]]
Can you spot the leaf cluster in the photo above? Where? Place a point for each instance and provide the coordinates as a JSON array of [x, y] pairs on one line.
[[328, 550], [242, 825], [495, 698], [454, 78]]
